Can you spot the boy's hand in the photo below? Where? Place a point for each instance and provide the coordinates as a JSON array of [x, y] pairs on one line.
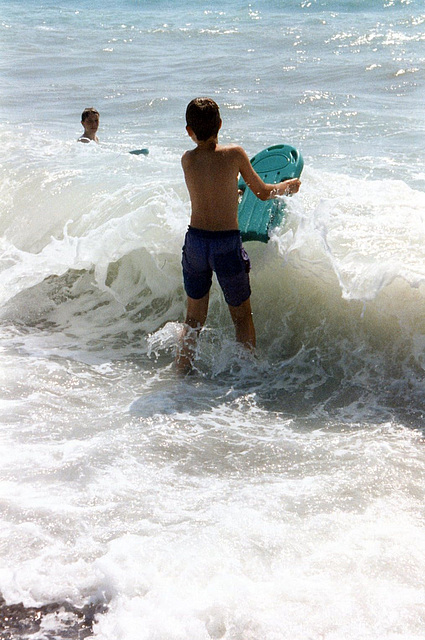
[[291, 186]]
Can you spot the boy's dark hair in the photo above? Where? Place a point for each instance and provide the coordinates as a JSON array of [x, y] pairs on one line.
[[203, 116], [88, 111]]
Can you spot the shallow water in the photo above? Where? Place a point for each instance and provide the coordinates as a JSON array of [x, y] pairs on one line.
[[261, 498]]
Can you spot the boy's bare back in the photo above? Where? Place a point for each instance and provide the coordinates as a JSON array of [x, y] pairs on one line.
[[211, 172]]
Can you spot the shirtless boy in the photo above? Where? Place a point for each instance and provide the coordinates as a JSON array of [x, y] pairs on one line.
[[90, 122], [213, 240]]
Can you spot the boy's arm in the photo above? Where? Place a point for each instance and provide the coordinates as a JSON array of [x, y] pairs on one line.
[[261, 189]]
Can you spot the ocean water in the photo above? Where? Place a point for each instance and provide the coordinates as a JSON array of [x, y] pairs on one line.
[[275, 497]]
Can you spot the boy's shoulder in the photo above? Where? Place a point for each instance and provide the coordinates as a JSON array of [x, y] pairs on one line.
[[231, 148], [186, 156], [233, 153]]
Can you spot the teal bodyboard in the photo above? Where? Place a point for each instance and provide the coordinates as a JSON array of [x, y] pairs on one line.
[[140, 152], [257, 217]]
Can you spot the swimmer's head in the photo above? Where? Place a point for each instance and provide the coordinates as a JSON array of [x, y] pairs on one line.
[[88, 112]]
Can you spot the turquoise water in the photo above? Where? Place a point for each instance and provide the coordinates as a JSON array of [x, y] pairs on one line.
[[261, 498]]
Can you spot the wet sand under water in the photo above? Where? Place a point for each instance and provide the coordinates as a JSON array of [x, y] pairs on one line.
[[54, 620]]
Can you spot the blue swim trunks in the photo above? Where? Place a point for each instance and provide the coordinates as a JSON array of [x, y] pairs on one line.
[[219, 251]]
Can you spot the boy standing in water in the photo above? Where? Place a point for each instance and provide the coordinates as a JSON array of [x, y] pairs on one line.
[[213, 240], [90, 122]]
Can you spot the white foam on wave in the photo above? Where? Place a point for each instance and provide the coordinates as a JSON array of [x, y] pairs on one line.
[[345, 268], [369, 232]]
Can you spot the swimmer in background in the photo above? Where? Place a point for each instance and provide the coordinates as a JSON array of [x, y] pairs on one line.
[[90, 122]]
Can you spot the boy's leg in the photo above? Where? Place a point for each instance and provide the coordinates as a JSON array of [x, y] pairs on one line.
[[244, 325], [196, 316]]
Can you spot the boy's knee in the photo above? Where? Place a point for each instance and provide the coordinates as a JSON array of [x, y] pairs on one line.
[[196, 313]]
